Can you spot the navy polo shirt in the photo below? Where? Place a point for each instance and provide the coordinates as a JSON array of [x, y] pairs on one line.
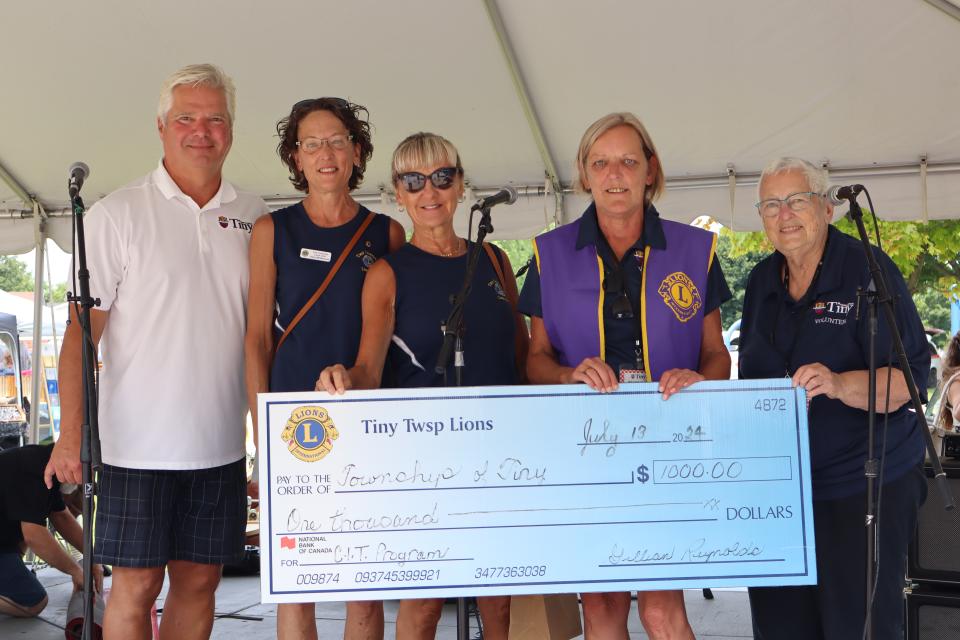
[[778, 335], [620, 334]]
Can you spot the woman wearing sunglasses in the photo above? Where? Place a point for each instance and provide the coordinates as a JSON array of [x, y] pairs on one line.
[[406, 297], [291, 333], [658, 289]]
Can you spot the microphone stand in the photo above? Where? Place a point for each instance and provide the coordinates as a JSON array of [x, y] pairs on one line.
[[879, 296], [453, 343], [89, 428]]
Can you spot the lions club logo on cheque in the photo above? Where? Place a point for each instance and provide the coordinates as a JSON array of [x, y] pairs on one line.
[[309, 433]]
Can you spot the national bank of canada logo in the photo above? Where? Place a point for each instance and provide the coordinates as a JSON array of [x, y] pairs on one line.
[[309, 433]]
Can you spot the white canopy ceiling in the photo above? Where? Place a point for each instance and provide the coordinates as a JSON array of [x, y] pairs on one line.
[[868, 87]]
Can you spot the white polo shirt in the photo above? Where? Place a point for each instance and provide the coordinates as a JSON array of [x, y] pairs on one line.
[[174, 279]]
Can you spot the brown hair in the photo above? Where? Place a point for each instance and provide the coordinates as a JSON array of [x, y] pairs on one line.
[[951, 365], [355, 119]]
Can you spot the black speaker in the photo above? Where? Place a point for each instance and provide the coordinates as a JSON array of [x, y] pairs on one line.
[[935, 553], [933, 614]]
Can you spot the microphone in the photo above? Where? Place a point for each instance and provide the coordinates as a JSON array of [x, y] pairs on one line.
[[507, 195], [839, 195], [79, 171]]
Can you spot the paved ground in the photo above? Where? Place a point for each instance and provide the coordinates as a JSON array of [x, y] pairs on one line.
[[242, 617]]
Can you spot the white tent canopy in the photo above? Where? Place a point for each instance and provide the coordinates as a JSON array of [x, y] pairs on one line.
[[870, 88]]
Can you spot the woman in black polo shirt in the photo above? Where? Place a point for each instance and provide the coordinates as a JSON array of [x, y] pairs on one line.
[[800, 320]]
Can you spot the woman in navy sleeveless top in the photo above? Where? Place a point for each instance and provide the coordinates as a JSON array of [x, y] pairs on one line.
[[424, 283], [325, 143], [407, 298]]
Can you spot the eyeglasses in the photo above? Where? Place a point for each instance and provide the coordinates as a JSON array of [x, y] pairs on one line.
[[442, 178], [796, 202], [311, 146]]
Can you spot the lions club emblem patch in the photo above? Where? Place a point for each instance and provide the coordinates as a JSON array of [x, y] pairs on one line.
[[681, 295], [309, 433]]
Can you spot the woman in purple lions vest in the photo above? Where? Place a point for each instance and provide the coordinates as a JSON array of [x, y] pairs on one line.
[[325, 143], [623, 296]]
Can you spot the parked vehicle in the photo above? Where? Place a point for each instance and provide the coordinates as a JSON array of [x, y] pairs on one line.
[[731, 338]]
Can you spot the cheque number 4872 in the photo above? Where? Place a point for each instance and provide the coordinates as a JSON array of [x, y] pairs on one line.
[[770, 404]]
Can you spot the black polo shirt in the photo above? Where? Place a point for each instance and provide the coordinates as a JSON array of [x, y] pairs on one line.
[[778, 335], [620, 333], [23, 495]]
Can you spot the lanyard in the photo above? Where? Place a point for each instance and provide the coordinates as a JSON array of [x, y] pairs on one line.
[[613, 269], [799, 316]]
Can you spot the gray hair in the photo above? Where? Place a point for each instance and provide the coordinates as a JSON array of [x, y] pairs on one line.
[[197, 75], [817, 178]]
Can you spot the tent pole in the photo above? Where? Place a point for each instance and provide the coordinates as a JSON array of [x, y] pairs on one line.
[[53, 317], [16, 187], [533, 120], [37, 360], [946, 6]]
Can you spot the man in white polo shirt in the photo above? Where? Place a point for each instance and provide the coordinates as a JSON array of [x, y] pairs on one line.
[[167, 256]]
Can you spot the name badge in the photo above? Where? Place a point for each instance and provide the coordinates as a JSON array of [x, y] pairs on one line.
[[315, 254], [632, 375]]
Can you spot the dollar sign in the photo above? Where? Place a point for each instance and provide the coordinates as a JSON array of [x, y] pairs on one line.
[[642, 474]]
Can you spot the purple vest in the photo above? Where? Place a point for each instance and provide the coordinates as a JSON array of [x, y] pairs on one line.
[[673, 294]]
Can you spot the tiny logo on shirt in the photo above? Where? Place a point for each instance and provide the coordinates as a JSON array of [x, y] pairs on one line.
[[235, 223], [366, 258], [498, 290], [309, 433], [832, 312], [681, 295]]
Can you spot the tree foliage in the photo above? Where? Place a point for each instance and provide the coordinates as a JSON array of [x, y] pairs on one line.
[[520, 252], [14, 275], [927, 254]]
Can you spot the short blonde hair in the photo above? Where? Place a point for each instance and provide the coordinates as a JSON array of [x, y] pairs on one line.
[[197, 75], [424, 149], [606, 123]]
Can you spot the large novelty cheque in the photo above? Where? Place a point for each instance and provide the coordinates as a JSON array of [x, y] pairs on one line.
[[451, 492]]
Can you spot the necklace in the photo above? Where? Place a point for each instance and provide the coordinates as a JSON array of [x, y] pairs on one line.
[[446, 254], [455, 251]]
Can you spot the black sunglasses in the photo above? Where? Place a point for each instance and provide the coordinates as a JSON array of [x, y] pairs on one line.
[[613, 285], [442, 178]]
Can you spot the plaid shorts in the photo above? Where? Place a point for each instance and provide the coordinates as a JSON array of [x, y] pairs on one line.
[[147, 517]]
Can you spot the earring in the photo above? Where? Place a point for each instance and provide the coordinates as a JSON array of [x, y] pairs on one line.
[[400, 208]]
